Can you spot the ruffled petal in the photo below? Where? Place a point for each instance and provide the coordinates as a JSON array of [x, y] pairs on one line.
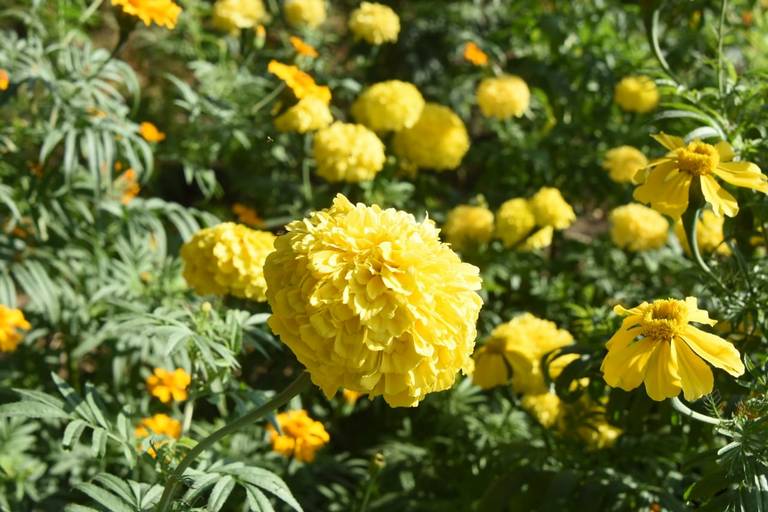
[[721, 200], [743, 174], [662, 379], [625, 364], [714, 349], [695, 376], [670, 142]]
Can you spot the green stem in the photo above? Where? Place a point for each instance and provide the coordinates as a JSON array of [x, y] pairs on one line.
[[373, 473], [720, 37], [296, 387], [652, 31], [690, 223], [680, 407]]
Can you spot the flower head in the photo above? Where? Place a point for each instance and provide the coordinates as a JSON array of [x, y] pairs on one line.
[[348, 152], [472, 53], [301, 436], [227, 259], [309, 114], [5, 80], [545, 407], [503, 97], [302, 48], [637, 228], [550, 209], [514, 221], [304, 13], [636, 94], [657, 344], [162, 12], [235, 15], [623, 163], [375, 23], [169, 385], [150, 133], [11, 322], [666, 183], [371, 300], [128, 185], [709, 234], [158, 425], [438, 140], [300, 83], [466, 225], [388, 106], [247, 215]]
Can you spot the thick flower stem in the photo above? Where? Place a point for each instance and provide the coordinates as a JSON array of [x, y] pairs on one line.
[[296, 387], [690, 223], [680, 407]]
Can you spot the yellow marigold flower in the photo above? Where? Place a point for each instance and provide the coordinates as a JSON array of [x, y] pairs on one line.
[[128, 184], [668, 179], [150, 133], [371, 300], [375, 23], [550, 209], [514, 221], [538, 240], [503, 97], [247, 216], [304, 13], [438, 140], [227, 259], [5, 80], [301, 438], [709, 234], [466, 225], [637, 228], [636, 94], [158, 425], [308, 115], [11, 322], [545, 407], [167, 386], [348, 152], [350, 396], [391, 105], [623, 163], [657, 344], [235, 15], [301, 83], [162, 12], [303, 48], [473, 53]]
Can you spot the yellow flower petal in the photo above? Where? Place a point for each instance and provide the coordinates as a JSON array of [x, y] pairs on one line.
[[697, 315], [725, 151], [743, 174], [666, 190], [626, 363], [721, 200], [715, 350], [490, 371], [671, 142], [662, 379], [695, 376]]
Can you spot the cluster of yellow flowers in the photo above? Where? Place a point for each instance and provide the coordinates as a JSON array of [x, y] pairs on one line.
[[371, 300], [348, 152], [637, 228], [301, 436], [11, 322], [388, 106], [503, 97], [227, 259], [235, 15], [162, 12], [374, 23], [437, 141], [636, 94], [529, 224]]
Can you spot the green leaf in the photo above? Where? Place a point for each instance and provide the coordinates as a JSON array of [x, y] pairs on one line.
[[220, 493], [29, 409]]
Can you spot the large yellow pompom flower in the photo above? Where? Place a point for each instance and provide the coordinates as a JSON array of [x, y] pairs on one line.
[[438, 140], [235, 15], [636, 94], [709, 234], [466, 225], [348, 152], [503, 97], [227, 259], [666, 183], [623, 163], [301, 436], [550, 209], [304, 13], [371, 300], [11, 322], [169, 385], [637, 228], [375, 23], [308, 115], [388, 106], [162, 12], [657, 344]]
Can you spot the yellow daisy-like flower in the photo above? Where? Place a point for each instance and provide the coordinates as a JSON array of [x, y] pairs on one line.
[[303, 48], [308, 115], [657, 344], [301, 83], [5, 80], [545, 407], [227, 259], [388, 106], [348, 152], [636, 94], [472, 53], [247, 215], [304, 13], [514, 221], [666, 183], [11, 322], [503, 97], [150, 133], [158, 425], [375, 23], [371, 300], [466, 225], [166, 385], [439, 140], [637, 228], [709, 234], [162, 12], [550, 209], [623, 163], [301, 435], [235, 15]]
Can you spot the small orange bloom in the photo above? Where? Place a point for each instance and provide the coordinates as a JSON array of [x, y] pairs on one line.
[[11, 322], [246, 215], [5, 80], [167, 385], [158, 425], [301, 437], [303, 48], [475, 55], [350, 396], [261, 32], [150, 132], [129, 185], [302, 84]]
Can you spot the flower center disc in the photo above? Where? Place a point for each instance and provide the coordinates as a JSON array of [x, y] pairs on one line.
[[698, 158], [663, 320]]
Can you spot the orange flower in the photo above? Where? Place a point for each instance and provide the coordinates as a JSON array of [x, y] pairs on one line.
[[246, 215], [303, 48], [128, 184], [163, 12], [261, 32], [166, 385], [301, 437], [5, 80], [150, 132], [158, 425], [11, 322], [473, 54], [302, 84]]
